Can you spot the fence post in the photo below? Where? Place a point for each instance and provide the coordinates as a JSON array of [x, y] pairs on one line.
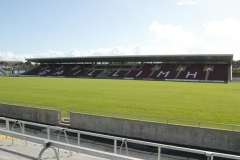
[[115, 146], [78, 139], [48, 132], [7, 124], [210, 158], [209, 155], [23, 127], [59, 115], [233, 128], [159, 153]]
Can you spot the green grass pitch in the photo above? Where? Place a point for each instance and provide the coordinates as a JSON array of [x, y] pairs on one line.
[[211, 102]]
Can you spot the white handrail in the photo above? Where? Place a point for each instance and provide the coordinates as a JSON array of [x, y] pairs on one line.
[[61, 145], [115, 139]]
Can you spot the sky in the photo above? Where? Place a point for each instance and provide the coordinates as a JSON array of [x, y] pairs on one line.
[[75, 28]]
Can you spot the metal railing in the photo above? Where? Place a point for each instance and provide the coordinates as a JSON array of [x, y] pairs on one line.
[[209, 155], [51, 144]]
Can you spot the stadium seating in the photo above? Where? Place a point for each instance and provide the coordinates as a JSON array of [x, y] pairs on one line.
[[36, 70], [193, 71], [113, 67], [78, 70], [163, 71], [93, 73], [100, 67], [219, 73], [118, 73], [143, 72]]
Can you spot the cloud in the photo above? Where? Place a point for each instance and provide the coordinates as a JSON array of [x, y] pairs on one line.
[[10, 56], [165, 39], [227, 28], [174, 36], [223, 36], [187, 2], [115, 51], [174, 39]]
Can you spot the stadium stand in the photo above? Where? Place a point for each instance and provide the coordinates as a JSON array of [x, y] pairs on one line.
[[2, 72], [220, 72], [93, 73], [194, 71], [165, 71], [118, 73], [77, 70], [127, 67], [38, 70], [183, 68], [143, 72], [100, 67]]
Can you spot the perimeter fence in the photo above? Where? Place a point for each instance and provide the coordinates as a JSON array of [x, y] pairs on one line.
[[116, 148], [165, 120], [65, 111]]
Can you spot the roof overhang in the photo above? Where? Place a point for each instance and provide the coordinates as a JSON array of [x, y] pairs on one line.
[[198, 58]]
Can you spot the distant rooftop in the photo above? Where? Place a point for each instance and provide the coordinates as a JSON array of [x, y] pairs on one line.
[[1, 61], [199, 58]]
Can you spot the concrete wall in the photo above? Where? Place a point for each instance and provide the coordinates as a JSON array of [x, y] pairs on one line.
[[236, 74], [175, 134], [30, 114]]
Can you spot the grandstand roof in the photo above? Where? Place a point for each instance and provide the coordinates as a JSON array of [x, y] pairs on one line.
[[200, 58]]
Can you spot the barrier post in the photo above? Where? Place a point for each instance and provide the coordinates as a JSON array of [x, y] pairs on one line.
[[78, 139], [48, 132], [159, 153], [23, 127], [7, 124], [209, 155], [115, 146], [59, 115]]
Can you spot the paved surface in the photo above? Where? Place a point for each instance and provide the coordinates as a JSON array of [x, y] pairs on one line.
[[21, 151]]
